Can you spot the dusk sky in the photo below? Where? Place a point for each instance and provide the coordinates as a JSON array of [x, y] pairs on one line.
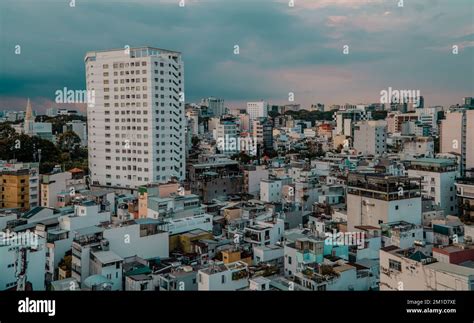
[[282, 49]]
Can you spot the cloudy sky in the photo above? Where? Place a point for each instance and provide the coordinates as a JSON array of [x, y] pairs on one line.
[[282, 49]]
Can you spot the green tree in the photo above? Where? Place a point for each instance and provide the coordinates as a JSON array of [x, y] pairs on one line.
[[68, 141], [6, 131]]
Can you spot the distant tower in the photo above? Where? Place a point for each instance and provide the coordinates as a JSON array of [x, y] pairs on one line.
[[29, 119]]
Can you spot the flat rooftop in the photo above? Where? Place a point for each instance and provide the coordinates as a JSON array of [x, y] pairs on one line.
[[433, 162], [268, 247], [452, 269], [216, 164], [151, 50], [107, 257]]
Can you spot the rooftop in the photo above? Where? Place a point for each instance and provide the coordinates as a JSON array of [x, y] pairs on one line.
[[151, 51], [216, 164], [452, 269], [88, 230], [107, 257], [433, 161]]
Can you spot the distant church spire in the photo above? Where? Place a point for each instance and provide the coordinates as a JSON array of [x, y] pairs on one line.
[[29, 111], [29, 120]]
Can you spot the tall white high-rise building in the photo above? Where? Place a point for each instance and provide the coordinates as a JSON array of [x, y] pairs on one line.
[[257, 110], [137, 122]]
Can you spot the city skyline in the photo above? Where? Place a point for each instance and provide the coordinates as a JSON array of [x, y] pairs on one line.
[[385, 49], [187, 146]]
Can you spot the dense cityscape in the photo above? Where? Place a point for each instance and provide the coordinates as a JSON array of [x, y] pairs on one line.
[[318, 151], [147, 192]]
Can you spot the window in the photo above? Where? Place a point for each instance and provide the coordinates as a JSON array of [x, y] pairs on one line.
[[395, 265], [289, 260], [223, 279], [396, 207]]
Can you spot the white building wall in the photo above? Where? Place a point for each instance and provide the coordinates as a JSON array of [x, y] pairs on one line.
[[440, 186], [36, 266], [417, 276], [290, 263], [254, 179], [270, 191], [126, 242], [371, 137], [58, 183], [215, 282], [369, 211]]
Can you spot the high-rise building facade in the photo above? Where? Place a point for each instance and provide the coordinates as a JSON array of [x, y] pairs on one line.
[[257, 110], [263, 133], [215, 106], [457, 136], [137, 121]]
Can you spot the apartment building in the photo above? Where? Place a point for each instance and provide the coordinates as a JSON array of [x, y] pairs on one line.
[[224, 277], [438, 179], [59, 239], [226, 135], [136, 122], [402, 234], [465, 197], [252, 177], [411, 269], [263, 133], [15, 189], [178, 206], [33, 254], [374, 199], [264, 232], [370, 137], [345, 121], [270, 190], [340, 276], [215, 106], [418, 146], [61, 183], [34, 186], [396, 121], [457, 136], [216, 179], [257, 110]]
